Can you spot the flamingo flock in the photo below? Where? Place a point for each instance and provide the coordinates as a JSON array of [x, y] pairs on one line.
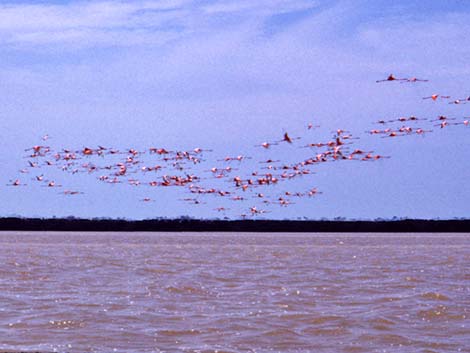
[[203, 180]]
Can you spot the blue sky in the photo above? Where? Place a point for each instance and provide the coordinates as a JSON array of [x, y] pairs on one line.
[[227, 75]]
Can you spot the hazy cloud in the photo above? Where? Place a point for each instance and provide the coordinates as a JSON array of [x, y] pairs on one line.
[[90, 23], [125, 22]]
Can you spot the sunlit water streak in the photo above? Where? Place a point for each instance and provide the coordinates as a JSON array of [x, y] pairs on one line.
[[214, 292]]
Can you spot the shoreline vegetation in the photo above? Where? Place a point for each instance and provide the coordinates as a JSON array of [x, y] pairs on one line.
[[185, 224]]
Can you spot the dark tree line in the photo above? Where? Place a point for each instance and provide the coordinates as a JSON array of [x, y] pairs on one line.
[[198, 225]]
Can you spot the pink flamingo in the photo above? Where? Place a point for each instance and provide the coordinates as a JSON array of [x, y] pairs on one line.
[[391, 78], [435, 96]]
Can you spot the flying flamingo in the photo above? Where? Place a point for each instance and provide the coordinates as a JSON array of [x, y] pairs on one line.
[[414, 79], [443, 124], [413, 118], [87, 151], [458, 101], [466, 99], [421, 131], [465, 122], [288, 139], [71, 192], [442, 118], [374, 132], [284, 202], [198, 150], [254, 210], [221, 209], [392, 134], [383, 122], [313, 192], [16, 183], [237, 198], [310, 126], [390, 78], [435, 96], [266, 144]]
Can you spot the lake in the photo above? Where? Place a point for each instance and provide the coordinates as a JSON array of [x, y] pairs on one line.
[[228, 292]]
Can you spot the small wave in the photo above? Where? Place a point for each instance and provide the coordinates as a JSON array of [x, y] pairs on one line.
[[439, 313], [381, 322], [281, 332], [434, 296], [333, 331], [178, 333], [387, 339], [325, 319], [186, 290]]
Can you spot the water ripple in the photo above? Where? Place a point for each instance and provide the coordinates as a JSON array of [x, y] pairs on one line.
[[145, 292]]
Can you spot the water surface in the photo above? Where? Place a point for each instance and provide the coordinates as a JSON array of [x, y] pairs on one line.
[[227, 292]]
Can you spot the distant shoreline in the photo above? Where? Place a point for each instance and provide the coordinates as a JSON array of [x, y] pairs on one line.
[[195, 225]]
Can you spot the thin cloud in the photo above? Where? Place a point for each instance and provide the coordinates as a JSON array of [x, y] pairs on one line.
[[257, 7], [128, 22], [90, 23]]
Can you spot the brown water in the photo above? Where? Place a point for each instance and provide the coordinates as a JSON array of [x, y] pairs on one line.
[[188, 292]]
